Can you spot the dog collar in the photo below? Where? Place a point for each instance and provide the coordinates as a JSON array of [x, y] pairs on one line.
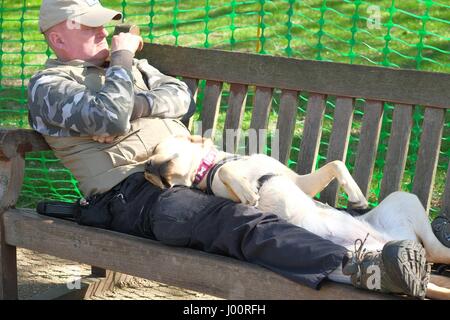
[[206, 164]]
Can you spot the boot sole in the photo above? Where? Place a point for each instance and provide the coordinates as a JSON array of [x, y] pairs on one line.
[[406, 266]]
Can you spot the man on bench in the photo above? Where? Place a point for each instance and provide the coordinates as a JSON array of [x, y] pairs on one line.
[[103, 112]]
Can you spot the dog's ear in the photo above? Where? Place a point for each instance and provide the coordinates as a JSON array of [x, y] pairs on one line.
[[154, 179], [158, 170]]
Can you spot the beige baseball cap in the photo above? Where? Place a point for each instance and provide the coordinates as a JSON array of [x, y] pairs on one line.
[[86, 12]]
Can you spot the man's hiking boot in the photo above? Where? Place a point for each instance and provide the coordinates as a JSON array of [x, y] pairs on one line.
[[441, 229], [399, 268]]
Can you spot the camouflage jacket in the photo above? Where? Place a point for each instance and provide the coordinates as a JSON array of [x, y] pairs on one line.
[[77, 98]]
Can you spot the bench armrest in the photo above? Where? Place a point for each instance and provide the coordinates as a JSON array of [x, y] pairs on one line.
[[14, 142]]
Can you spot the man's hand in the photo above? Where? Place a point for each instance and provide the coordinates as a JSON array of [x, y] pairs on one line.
[[103, 139], [126, 41]]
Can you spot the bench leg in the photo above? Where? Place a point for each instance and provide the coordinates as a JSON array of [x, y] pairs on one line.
[[8, 269]]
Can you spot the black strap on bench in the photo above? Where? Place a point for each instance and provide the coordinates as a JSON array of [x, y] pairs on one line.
[[58, 209]]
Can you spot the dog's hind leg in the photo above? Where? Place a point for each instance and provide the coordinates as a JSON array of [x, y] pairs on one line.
[[281, 196], [316, 181], [402, 216]]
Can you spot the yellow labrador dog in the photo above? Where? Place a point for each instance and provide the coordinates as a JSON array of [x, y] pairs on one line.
[[266, 183]]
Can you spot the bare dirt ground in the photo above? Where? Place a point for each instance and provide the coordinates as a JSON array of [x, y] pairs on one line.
[[38, 273]]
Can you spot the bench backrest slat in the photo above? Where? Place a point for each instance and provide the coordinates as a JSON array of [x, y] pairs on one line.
[[397, 151], [312, 131], [235, 113], [262, 104], [211, 103], [338, 144], [193, 86], [368, 143], [337, 79], [286, 123], [427, 157]]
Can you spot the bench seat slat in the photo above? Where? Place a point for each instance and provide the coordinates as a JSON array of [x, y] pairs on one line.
[[183, 267], [312, 131], [368, 143], [235, 113], [262, 103], [428, 154], [286, 123], [211, 103], [397, 151], [337, 148]]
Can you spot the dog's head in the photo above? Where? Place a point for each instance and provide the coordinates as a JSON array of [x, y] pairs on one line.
[[175, 161]]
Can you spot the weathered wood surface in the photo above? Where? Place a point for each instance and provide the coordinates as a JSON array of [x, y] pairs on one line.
[[286, 124], [193, 86], [368, 144], [18, 141], [427, 157], [262, 103], [397, 151], [11, 177], [233, 120], [210, 111], [330, 78], [183, 267], [312, 132], [8, 267]]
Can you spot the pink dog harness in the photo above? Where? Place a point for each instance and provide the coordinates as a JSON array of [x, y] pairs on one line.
[[206, 164]]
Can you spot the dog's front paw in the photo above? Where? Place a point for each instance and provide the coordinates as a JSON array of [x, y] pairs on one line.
[[360, 204], [249, 196], [356, 198]]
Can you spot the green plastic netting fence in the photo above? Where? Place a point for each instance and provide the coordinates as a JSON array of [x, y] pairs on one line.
[[408, 33]]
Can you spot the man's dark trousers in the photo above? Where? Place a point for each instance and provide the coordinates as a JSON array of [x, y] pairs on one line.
[[182, 216]]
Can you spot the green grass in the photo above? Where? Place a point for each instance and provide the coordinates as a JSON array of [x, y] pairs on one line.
[[338, 31]]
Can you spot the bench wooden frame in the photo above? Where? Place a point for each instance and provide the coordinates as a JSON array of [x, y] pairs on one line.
[[222, 276]]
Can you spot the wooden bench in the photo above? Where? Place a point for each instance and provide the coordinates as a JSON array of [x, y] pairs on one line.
[[222, 276]]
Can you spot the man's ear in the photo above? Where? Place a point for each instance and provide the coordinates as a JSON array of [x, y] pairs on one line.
[[55, 40]]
